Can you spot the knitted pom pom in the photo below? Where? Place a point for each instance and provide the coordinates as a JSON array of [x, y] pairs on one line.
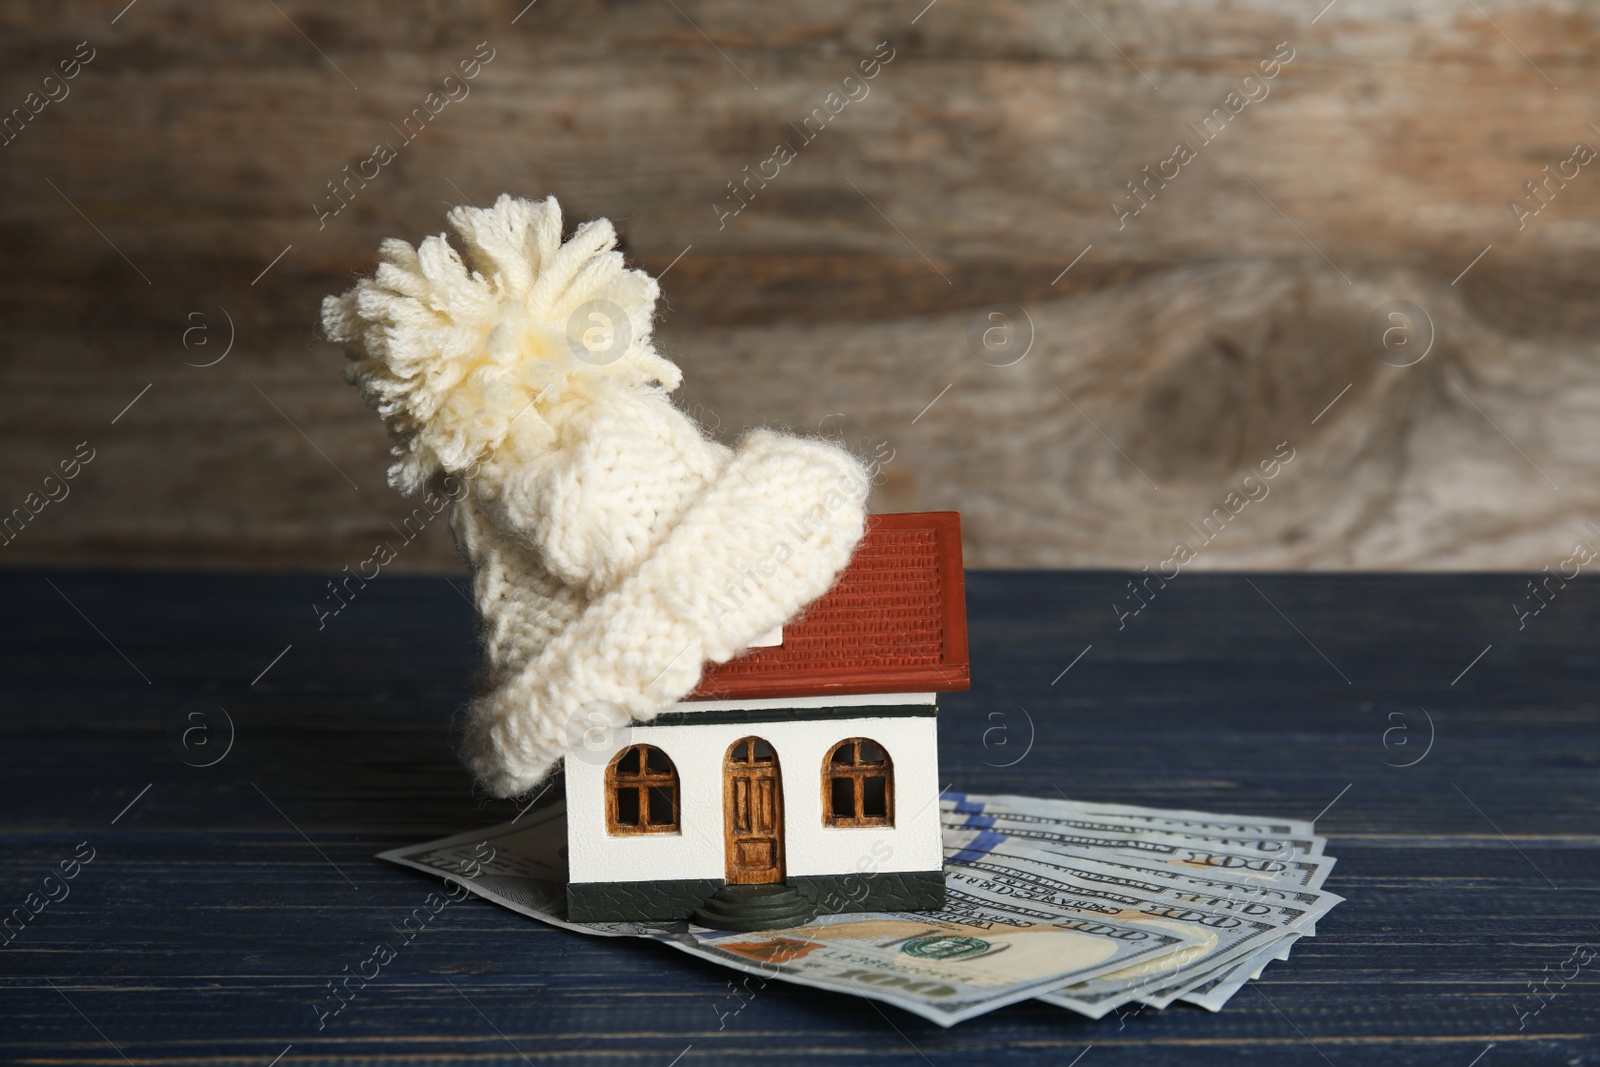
[[460, 354]]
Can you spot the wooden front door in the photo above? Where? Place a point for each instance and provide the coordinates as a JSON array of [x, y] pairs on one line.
[[752, 804]]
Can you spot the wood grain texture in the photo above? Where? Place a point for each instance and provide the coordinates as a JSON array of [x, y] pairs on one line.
[[207, 926], [988, 153]]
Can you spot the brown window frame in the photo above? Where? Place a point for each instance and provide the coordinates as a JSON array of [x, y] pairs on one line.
[[856, 772], [642, 782]]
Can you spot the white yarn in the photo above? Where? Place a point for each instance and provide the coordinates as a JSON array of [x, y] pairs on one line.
[[615, 549]]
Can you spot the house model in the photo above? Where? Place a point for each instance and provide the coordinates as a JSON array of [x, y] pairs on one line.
[[798, 779]]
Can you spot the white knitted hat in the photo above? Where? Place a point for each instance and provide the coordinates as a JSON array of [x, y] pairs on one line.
[[615, 549]]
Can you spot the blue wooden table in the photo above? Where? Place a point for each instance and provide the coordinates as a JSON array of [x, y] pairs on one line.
[[194, 779]]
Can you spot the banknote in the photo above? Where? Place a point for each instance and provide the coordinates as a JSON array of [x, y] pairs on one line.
[[1251, 895], [1261, 858], [981, 952], [1215, 992], [973, 815], [1151, 886], [1286, 903], [1217, 986], [519, 865], [1298, 877], [1169, 819]]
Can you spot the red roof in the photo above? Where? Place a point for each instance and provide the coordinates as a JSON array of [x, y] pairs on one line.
[[894, 622]]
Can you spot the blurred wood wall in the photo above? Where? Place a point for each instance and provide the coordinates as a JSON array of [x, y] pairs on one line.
[[165, 201]]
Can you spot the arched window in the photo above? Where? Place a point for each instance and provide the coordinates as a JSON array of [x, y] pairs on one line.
[[641, 792], [858, 785]]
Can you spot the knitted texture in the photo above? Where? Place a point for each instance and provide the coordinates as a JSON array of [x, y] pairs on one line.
[[614, 548]]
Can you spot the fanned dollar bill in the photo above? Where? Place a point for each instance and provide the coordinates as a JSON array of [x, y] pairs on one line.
[[519, 865], [1203, 885], [1261, 859], [1252, 850], [1171, 820], [1214, 992], [1086, 906], [1218, 988], [979, 953]]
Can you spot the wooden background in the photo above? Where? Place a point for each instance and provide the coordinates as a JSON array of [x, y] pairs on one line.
[[1176, 353]]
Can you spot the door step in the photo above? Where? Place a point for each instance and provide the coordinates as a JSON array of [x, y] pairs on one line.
[[755, 907]]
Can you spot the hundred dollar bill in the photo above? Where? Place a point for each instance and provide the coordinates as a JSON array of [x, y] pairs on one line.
[[1257, 897], [1203, 823], [980, 953], [1213, 993], [1277, 861], [973, 815], [1205, 986], [519, 865], [1166, 888], [1301, 875]]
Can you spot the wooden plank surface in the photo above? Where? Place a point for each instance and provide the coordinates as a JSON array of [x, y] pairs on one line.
[[173, 191], [220, 903]]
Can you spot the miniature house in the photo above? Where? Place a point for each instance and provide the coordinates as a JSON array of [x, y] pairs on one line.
[[798, 779]]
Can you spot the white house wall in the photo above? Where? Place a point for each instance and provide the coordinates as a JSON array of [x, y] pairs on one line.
[[810, 848]]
